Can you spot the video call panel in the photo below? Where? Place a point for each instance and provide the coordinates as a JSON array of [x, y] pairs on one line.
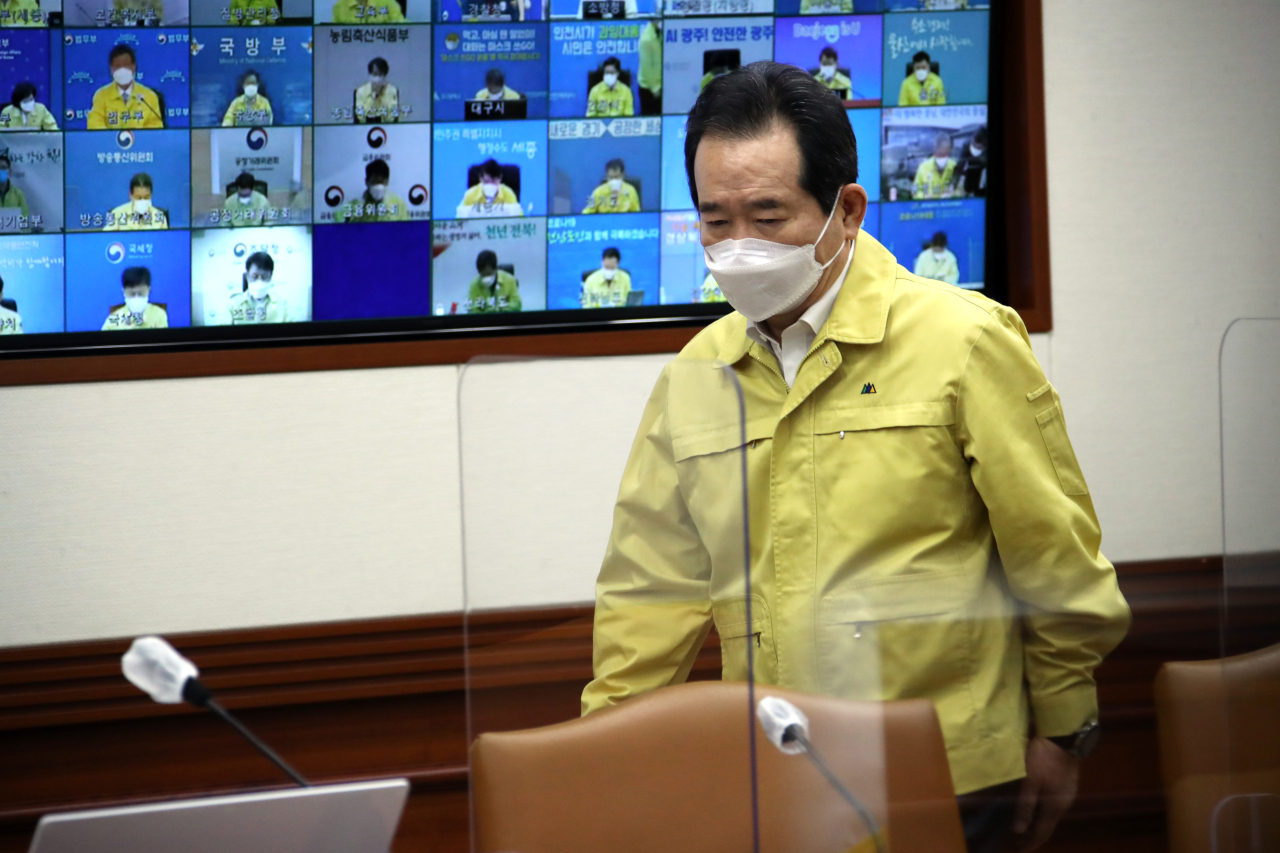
[[178, 163]]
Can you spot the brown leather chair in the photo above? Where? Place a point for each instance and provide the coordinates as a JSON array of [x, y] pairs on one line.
[[1219, 723], [670, 771]]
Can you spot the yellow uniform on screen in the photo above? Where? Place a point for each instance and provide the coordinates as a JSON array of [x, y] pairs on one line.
[[507, 94], [14, 118], [391, 209], [238, 214], [135, 12], [600, 292], [932, 181], [604, 200], [110, 111], [711, 290], [930, 93], [251, 13], [244, 309], [121, 319], [383, 106], [603, 102], [244, 112], [475, 196], [937, 445], [21, 13], [125, 218], [361, 12], [501, 296], [826, 7], [939, 266], [15, 198], [10, 322]]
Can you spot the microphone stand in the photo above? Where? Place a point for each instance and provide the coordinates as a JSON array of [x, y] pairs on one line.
[[197, 694]]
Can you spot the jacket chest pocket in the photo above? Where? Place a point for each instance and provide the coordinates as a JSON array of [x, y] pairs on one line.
[[740, 637]]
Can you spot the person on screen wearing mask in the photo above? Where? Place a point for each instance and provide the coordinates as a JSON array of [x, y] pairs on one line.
[[137, 13], [490, 195], [22, 13], [897, 435], [829, 73], [10, 195], [649, 77], [937, 261], [610, 97], [138, 213], [246, 206], [24, 112], [10, 320], [614, 195], [378, 203], [250, 107], [608, 286], [124, 102], [922, 88], [367, 12], [973, 164], [257, 301], [935, 178], [493, 290], [377, 100], [496, 88], [253, 13], [137, 312]]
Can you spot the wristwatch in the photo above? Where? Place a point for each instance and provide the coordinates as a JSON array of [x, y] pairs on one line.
[[1082, 742]]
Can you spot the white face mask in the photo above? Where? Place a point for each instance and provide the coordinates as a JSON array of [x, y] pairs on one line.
[[28, 105], [608, 273], [922, 74], [377, 192], [251, 90], [141, 205], [827, 71], [941, 160], [377, 81], [615, 184], [611, 80], [122, 76], [488, 280], [245, 199], [976, 149], [136, 304], [762, 279], [939, 254], [259, 289], [489, 190]]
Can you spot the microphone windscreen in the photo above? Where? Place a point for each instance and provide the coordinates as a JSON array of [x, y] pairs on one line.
[[776, 716], [156, 668]]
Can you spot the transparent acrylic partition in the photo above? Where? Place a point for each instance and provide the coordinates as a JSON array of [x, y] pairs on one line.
[[543, 448], [1246, 818]]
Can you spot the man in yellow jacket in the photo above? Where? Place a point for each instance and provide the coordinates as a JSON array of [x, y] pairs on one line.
[[609, 286], [124, 102], [138, 311], [615, 195], [367, 12], [610, 97], [22, 13], [936, 177], [896, 430], [922, 87]]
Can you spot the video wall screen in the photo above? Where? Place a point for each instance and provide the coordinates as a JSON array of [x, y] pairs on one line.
[[169, 166]]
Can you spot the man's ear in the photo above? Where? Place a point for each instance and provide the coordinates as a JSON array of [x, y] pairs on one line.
[[853, 201]]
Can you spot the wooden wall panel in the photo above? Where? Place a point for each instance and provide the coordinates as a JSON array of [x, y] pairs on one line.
[[378, 698]]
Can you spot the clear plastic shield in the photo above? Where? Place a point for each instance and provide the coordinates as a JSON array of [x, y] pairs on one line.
[[607, 526], [1245, 814]]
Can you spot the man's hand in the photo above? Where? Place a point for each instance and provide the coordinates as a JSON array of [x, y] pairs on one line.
[[1048, 791]]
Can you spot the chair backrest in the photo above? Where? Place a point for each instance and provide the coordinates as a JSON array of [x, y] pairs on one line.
[[11, 304], [1219, 739], [596, 75], [509, 268], [670, 771], [728, 58], [510, 176]]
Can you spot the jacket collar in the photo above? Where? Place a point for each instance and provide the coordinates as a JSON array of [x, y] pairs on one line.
[[860, 313]]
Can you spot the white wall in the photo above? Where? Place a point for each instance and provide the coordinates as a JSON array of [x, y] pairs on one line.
[[220, 503]]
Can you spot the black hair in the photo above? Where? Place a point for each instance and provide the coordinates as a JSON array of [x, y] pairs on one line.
[[261, 260], [616, 163], [135, 275], [939, 238], [612, 60], [142, 179], [490, 168], [495, 77], [378, 65], [981, 136], [262, 84], [746, 102], [611, 252], [829, 51], [22, 91], [4, 155], [377, 169], [921, 55], [122, 50], [486, 259], [244, 181]]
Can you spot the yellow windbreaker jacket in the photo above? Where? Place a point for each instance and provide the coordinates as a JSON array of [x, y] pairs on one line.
[[919, 524]]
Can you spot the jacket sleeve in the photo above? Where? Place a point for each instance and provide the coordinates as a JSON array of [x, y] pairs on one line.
[[653, 605], [1010, 427]]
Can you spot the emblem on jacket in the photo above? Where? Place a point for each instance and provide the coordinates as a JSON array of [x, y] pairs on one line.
[[869, 388]]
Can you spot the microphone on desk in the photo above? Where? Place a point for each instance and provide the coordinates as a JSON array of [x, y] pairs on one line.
[[157, 669], [787, 728]]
